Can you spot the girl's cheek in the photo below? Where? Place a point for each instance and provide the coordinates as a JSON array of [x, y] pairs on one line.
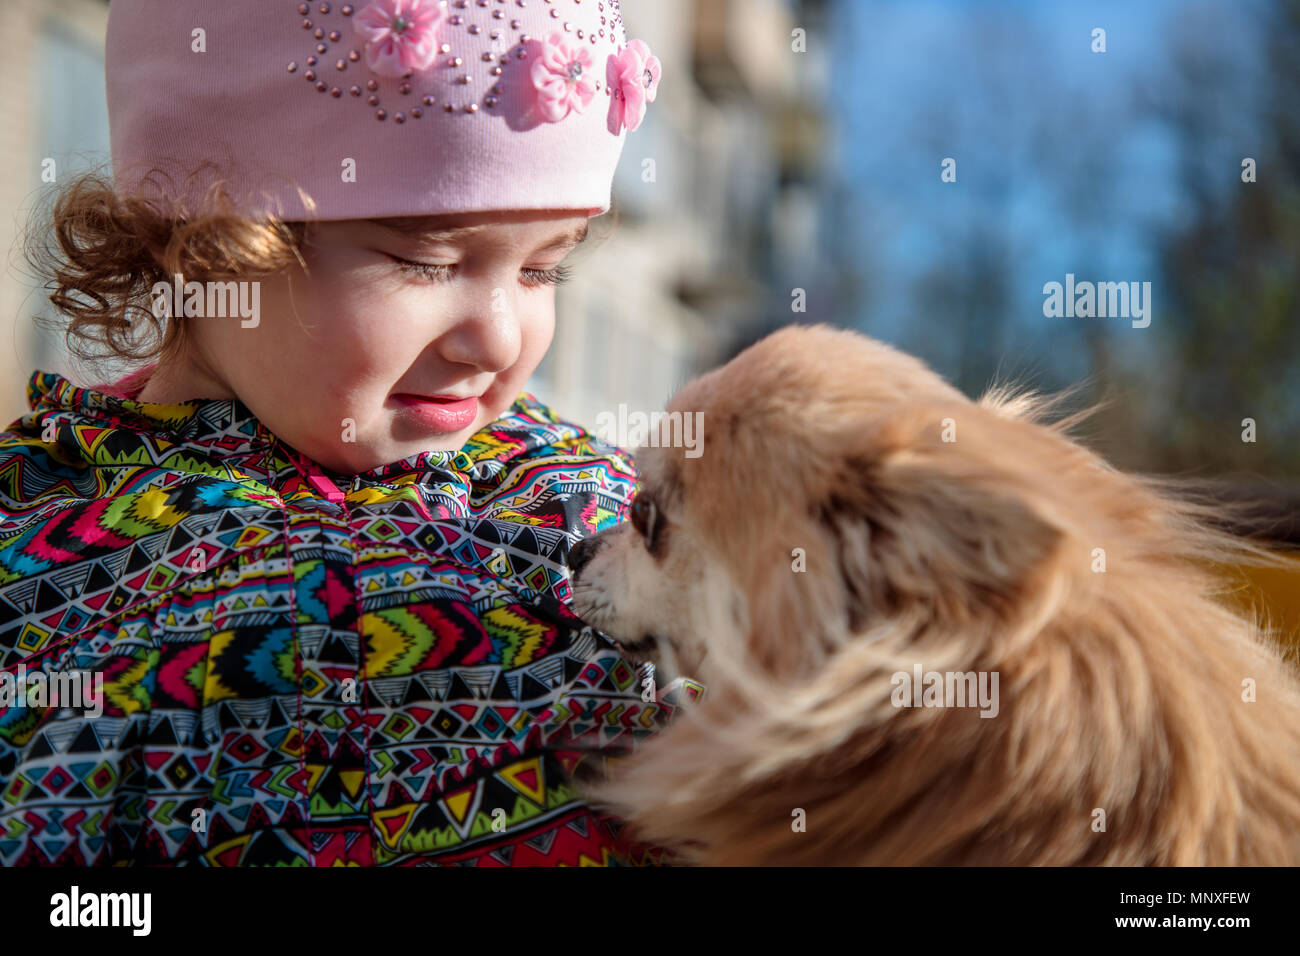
[[371, 317], [538, 336]]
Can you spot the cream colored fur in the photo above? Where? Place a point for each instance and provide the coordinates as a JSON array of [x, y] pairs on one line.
[[1121, 692]]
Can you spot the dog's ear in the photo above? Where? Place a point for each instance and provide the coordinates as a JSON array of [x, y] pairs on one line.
[[919, 521]]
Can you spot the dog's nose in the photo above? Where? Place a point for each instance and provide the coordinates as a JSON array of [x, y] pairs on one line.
[[582, 552]]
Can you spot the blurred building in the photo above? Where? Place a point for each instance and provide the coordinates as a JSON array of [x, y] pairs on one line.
[[717, 211], [53, 123]]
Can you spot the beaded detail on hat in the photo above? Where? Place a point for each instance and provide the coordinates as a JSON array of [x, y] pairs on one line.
[[372, 108], [352, 48]]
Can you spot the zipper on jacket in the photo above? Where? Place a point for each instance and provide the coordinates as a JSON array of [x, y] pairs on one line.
[[316, 478]]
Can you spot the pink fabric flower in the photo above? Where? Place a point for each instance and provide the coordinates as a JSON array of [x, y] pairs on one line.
[[564, 76], [633, 74], [400, 35]]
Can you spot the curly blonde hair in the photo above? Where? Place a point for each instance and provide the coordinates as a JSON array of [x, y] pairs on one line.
[[99, 255]]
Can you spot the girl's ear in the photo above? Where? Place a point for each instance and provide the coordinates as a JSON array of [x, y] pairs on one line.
[[920, 522]]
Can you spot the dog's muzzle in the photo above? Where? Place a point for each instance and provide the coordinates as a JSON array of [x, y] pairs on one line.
[[583, 552]]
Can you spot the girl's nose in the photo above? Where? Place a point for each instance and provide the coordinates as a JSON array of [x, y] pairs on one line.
[[488, 337]]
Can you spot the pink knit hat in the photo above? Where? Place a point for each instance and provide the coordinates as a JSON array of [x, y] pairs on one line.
[[383, 108]]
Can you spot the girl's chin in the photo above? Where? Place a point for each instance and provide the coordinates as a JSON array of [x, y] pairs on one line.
[[412, 444], [362, 460], [409, 438]]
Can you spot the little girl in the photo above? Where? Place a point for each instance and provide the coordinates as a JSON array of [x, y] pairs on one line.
[[292, 592]]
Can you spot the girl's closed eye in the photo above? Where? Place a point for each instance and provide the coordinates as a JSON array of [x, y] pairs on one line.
[[438, 272]]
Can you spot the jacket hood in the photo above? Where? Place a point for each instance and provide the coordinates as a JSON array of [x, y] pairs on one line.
[[229, 432]]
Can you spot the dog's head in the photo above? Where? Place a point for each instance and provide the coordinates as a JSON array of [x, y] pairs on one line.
[[850, 516], [838, 482]]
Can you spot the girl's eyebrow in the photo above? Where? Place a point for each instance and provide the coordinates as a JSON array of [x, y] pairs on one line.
[[414, 227], [573, 237]]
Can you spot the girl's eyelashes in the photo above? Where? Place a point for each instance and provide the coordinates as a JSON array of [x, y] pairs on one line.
[[553, 276], [426, 270], [529, 277]]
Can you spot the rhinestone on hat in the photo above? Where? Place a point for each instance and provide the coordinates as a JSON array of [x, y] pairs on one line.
[[329, 26]]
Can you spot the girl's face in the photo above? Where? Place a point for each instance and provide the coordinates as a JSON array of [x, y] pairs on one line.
[[356, 361]]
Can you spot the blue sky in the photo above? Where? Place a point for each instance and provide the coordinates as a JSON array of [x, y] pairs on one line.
[[1063, 164]]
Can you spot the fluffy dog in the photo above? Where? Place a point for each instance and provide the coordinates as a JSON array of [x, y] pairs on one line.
[[854, 523]]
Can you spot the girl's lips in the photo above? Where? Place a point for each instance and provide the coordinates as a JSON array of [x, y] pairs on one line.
[[441, 415]]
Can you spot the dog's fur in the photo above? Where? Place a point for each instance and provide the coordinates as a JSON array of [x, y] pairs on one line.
[[1123, 735]]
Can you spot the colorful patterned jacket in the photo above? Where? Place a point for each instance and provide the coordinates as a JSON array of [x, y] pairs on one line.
[[389, 677]]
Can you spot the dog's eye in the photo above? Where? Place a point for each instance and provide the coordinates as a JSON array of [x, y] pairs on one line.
[[645, 518]]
